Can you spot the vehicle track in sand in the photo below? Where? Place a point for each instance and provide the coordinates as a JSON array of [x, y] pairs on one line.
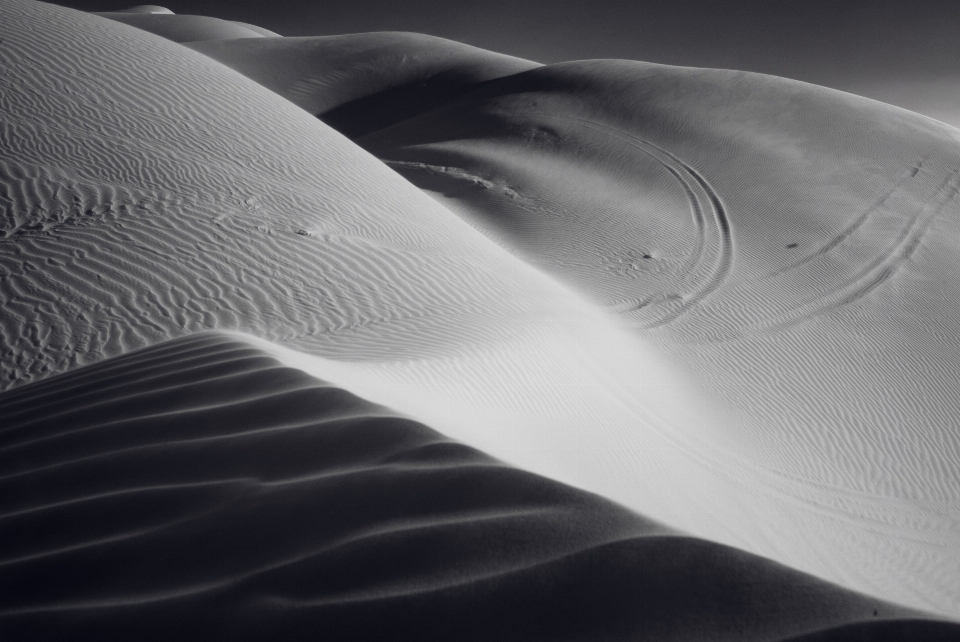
[[712, 259], [858, 222], [872, 275]]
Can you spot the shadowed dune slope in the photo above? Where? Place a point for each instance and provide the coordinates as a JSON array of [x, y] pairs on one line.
[[184, 28], [199, 487], [794, 250], [801, 407], [791, 249], [145, 8], [716, 204], [360, 83]]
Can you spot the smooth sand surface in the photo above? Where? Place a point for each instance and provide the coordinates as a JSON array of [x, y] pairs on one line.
[[199, 489], [722, 300], [145, 8], [360, 83], [184, 28], [790, 249]]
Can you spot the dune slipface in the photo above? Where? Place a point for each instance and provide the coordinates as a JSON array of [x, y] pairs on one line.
[[719, 299], [793, 249], [179, 28], [360, 83], [790, 249], [201, 489]]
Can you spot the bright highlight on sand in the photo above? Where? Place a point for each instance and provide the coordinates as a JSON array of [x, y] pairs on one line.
[[381, 336]]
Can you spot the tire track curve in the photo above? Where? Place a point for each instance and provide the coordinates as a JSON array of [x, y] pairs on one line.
[[871, 276], [714, 245]]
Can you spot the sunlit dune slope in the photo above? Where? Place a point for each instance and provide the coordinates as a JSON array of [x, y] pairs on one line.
[[791, 250], [200, 486], [149, 192], [360, 83], [719, 204], [794, 250], [182, 28]]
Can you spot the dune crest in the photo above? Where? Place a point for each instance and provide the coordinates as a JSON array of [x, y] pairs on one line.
[[214, 203], [361, 83], [145, 8], [745, 391], [184, 28], [200, 485], [791, 249], [788, 249]]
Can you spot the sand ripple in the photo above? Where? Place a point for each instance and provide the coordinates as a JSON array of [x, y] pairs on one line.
[[200, 485]]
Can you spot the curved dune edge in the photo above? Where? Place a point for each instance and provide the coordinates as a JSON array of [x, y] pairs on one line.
[[200, 485], [184, 28], [146, 8], [158, 193], [361, 83], [791, 251], [152, 193]]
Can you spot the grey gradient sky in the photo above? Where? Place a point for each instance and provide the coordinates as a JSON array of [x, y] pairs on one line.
[[902, 52]]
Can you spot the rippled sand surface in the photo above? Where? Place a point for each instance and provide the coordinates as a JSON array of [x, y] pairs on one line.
[[724, 301]]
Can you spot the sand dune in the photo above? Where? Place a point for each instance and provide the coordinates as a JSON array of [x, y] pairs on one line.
[[140, 209], [360, 83], [722, 300], [144, 8], [180, 28], [788, 200], [200, 486], [790, 249]]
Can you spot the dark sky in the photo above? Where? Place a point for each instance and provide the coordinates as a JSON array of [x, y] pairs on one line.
[[906, 52]]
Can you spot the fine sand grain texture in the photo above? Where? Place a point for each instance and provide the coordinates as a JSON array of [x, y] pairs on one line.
[[150, 192], [791, 248], [199, 489], [722, 300]]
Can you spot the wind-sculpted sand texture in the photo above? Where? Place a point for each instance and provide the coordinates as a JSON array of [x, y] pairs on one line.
[[676, 167], [200, 488], [773, 238], [149, 192], [793, 249], [636, 321]]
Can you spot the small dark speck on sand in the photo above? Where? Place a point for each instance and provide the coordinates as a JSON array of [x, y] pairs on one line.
[[791, 245]]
